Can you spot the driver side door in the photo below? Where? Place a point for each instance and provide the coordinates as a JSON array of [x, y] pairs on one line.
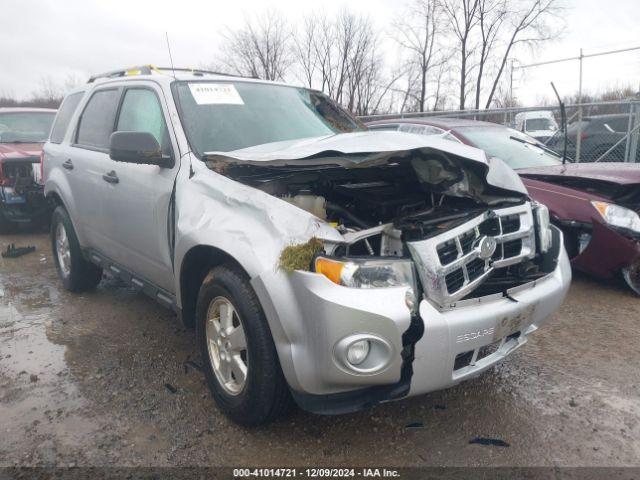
[[137, 209]]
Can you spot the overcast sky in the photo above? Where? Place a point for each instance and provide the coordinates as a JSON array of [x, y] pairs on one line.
[[54, 38]]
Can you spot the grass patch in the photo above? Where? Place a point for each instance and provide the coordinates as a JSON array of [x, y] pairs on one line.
[[299, 257]]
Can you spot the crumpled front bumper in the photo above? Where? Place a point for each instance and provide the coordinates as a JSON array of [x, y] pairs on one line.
[[309, 315], [499, 326], [25, 206]]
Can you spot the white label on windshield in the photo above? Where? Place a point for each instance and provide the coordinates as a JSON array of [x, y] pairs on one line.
[[215, 94]]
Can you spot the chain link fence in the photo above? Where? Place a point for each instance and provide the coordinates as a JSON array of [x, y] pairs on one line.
[[608, 131]]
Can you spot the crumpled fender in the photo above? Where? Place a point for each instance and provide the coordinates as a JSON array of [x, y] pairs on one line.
[[251, 226]]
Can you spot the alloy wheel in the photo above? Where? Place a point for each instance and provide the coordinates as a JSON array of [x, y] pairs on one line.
[[227, 345]]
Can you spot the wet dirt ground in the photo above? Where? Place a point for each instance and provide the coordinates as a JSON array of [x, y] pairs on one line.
[[111, 378]]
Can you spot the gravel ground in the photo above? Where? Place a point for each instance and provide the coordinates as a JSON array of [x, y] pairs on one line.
[[111, 378]]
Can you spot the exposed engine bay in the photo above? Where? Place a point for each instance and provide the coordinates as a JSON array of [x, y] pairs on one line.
[[396, 210], [20, 193]]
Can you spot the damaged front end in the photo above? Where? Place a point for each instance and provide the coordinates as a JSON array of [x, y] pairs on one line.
[[427, 222], [21, 194]]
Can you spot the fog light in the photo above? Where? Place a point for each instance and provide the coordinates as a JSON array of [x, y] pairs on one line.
[[358, 351]]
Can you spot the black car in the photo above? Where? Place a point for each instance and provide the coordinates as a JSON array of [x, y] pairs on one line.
[[598, 133]]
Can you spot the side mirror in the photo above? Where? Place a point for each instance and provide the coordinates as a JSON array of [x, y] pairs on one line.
[[138, 147]]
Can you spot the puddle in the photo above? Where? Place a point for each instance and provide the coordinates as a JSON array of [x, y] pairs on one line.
[[39, 400]]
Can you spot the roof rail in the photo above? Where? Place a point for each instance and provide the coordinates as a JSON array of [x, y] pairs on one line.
[[201, 71], [149, 69], [141, 70]]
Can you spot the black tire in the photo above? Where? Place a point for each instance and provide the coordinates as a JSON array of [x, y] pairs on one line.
[[265, 395], [82, 275]]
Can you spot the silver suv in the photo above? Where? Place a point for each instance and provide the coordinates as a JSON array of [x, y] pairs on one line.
[[318, 262]]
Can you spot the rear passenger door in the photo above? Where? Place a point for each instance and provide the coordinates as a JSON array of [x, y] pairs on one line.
[[136, 207], [87, 162]]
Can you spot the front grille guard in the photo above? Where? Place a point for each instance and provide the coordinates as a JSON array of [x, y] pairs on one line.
[[433, 273]]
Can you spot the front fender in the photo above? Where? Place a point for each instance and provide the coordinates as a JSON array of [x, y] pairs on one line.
[[250, 226]]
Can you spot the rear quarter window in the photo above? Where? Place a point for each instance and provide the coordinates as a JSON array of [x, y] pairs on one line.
[[97, 120], [66, 111]]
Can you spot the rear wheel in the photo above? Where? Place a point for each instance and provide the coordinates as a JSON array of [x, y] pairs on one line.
[[76, 273], [241, 362]]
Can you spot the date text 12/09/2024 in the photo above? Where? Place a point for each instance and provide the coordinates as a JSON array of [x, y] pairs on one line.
[[315, 473]]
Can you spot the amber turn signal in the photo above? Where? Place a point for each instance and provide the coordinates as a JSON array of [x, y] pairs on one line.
[[329, 268]]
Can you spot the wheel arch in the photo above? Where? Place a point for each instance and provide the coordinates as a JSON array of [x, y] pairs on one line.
[[195, 265]]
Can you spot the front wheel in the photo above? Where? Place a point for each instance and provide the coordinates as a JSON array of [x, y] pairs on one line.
[[76, 273], [241, 362]]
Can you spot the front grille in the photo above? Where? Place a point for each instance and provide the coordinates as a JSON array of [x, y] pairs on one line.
[[511, 249], [451, 265], [454, 280]]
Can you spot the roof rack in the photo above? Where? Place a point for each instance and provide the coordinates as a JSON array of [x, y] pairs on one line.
[[149, 69]]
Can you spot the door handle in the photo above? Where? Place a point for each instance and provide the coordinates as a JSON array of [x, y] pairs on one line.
[[111, 177], [68, 164]]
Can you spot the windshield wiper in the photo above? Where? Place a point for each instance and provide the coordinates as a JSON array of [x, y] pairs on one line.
[[537, 145]]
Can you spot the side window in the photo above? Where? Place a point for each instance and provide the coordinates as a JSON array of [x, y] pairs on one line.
[[96, 122], [141, 112], [63, 117]]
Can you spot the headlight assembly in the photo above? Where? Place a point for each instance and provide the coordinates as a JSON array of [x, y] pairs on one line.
[[618, 216], [365, 273], [545, 237]]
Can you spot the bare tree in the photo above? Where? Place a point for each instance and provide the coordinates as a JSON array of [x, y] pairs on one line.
[[491, 14], [417, 31], [530, 24], [306, 43], [463, 20], [261, 48], [340, 55]]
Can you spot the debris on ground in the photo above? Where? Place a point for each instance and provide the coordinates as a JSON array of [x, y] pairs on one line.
[[299, 257], [414, 425], [14, 252], [492, 442]]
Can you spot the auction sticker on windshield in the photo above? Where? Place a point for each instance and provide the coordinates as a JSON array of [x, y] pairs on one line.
[[215, 94]]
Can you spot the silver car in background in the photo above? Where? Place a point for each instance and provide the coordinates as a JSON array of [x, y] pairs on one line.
[[319, 262]]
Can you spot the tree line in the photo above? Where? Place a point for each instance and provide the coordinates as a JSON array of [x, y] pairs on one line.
[[436, 54]]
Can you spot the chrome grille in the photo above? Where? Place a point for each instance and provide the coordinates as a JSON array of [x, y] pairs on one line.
[[450, 265]]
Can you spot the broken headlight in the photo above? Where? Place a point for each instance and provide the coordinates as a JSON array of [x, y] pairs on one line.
[[364, 273], [618, 216]]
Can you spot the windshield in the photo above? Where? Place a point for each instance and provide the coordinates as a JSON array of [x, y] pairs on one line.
[[25, 127], [540, 124], [514, 148], [226, 116]]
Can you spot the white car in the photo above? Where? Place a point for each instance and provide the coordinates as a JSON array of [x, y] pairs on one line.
[[540, 125], [318, 261]]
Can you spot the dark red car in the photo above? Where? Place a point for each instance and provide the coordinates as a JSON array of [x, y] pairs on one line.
[[596, 205], [23, 132]]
